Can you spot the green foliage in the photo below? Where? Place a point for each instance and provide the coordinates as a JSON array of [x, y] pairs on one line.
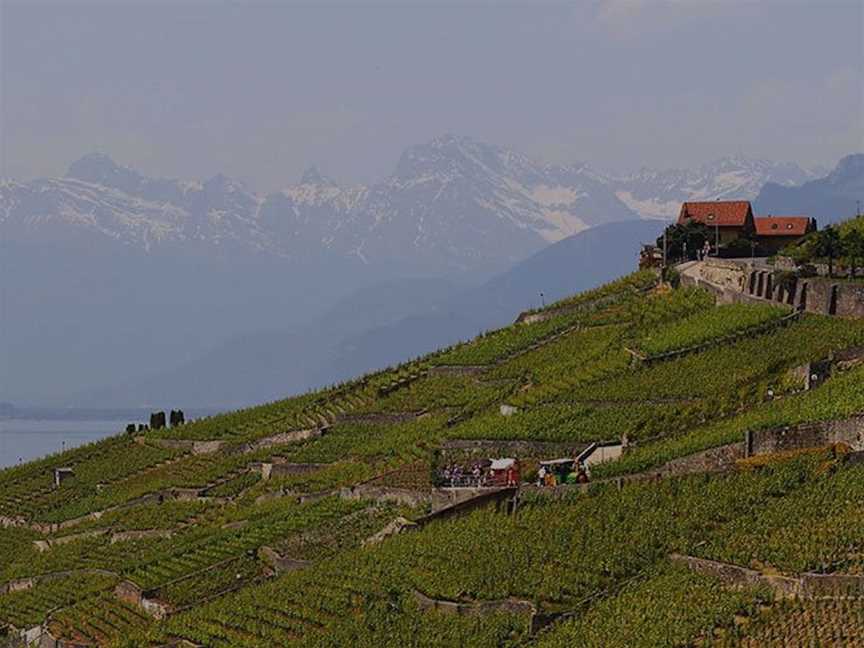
[[602, 555], [839, 397], [683, 241], [441, 392], [27, 608], [708, 325], [812, 529], [669, 606]]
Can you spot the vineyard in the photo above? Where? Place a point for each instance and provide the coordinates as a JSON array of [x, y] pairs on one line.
[[279, 525], [703, 327]]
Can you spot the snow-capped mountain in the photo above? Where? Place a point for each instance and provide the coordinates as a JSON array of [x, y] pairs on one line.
[[452, 204], [455, 190], [659, 194], [100, 197]]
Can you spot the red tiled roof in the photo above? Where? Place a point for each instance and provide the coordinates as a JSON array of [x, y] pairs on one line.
[[726, 213], [782, 225]]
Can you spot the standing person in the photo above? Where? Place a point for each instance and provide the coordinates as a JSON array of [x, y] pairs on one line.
[[581, 474], [541, 476]]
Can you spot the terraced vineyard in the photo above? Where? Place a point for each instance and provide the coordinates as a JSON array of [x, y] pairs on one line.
[[312, 521]]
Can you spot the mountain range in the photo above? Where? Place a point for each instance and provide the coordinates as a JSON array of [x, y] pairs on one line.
[[451, 205], [831, 199], [116, 281]]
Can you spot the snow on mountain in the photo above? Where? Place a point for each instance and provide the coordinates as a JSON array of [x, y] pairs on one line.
[[452, 203], [471, 201], [120, 204], [659, 194]]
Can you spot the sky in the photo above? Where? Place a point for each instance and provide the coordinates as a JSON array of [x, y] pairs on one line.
[[262, 91]]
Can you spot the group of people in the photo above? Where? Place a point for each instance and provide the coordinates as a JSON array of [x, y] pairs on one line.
[[575, 473], [481, 474], [506, 472], [454, 475]]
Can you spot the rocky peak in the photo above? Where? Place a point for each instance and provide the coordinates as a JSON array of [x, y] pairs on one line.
[[850, 170], [99, 168], [312, 176]]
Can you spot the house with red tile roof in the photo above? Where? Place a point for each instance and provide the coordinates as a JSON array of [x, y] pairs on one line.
[[730, 219], [773, 233]]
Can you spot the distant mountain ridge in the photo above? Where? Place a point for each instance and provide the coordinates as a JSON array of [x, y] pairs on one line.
[[452, 203], [113, 275], [659, 194], [830, 199]]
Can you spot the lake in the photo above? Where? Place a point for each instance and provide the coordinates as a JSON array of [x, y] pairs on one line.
[[27, 439]]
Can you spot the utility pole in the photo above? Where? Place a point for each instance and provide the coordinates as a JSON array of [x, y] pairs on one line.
[[542, 300], [716, 239], [664, 248]]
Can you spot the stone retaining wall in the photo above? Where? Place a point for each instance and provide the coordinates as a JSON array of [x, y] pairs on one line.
[[716, 459], [484, 497], [832, 586], [187, 445], [280, 563], [488, 447], [403, 496], [283, 438], [736, 281], [29, 583], [122, 536], [536, 620], [804, 586], [45, 545], [372, 418], [283, 469], [457, 370], [741, 577], [475, 608], [849, 431]]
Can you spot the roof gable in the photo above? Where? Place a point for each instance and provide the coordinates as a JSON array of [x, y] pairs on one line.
[[782, 225], [722, 213]]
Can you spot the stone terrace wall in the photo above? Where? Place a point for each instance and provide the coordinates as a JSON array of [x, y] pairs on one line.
[[385, 494], [457, 370], [811, 435], [485, 496], [374, 418], [741, 281], [741, 577], [488, 447], [712, 460], [475, 608], [805, 586]]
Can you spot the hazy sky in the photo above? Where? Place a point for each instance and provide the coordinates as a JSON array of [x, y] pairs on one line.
[[261, 91]]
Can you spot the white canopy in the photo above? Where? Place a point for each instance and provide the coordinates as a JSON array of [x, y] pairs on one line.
[[502, 464], [556, 462]]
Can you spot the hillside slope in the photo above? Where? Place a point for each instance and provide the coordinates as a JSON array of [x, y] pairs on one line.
[[383, 325], [279, 524]]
